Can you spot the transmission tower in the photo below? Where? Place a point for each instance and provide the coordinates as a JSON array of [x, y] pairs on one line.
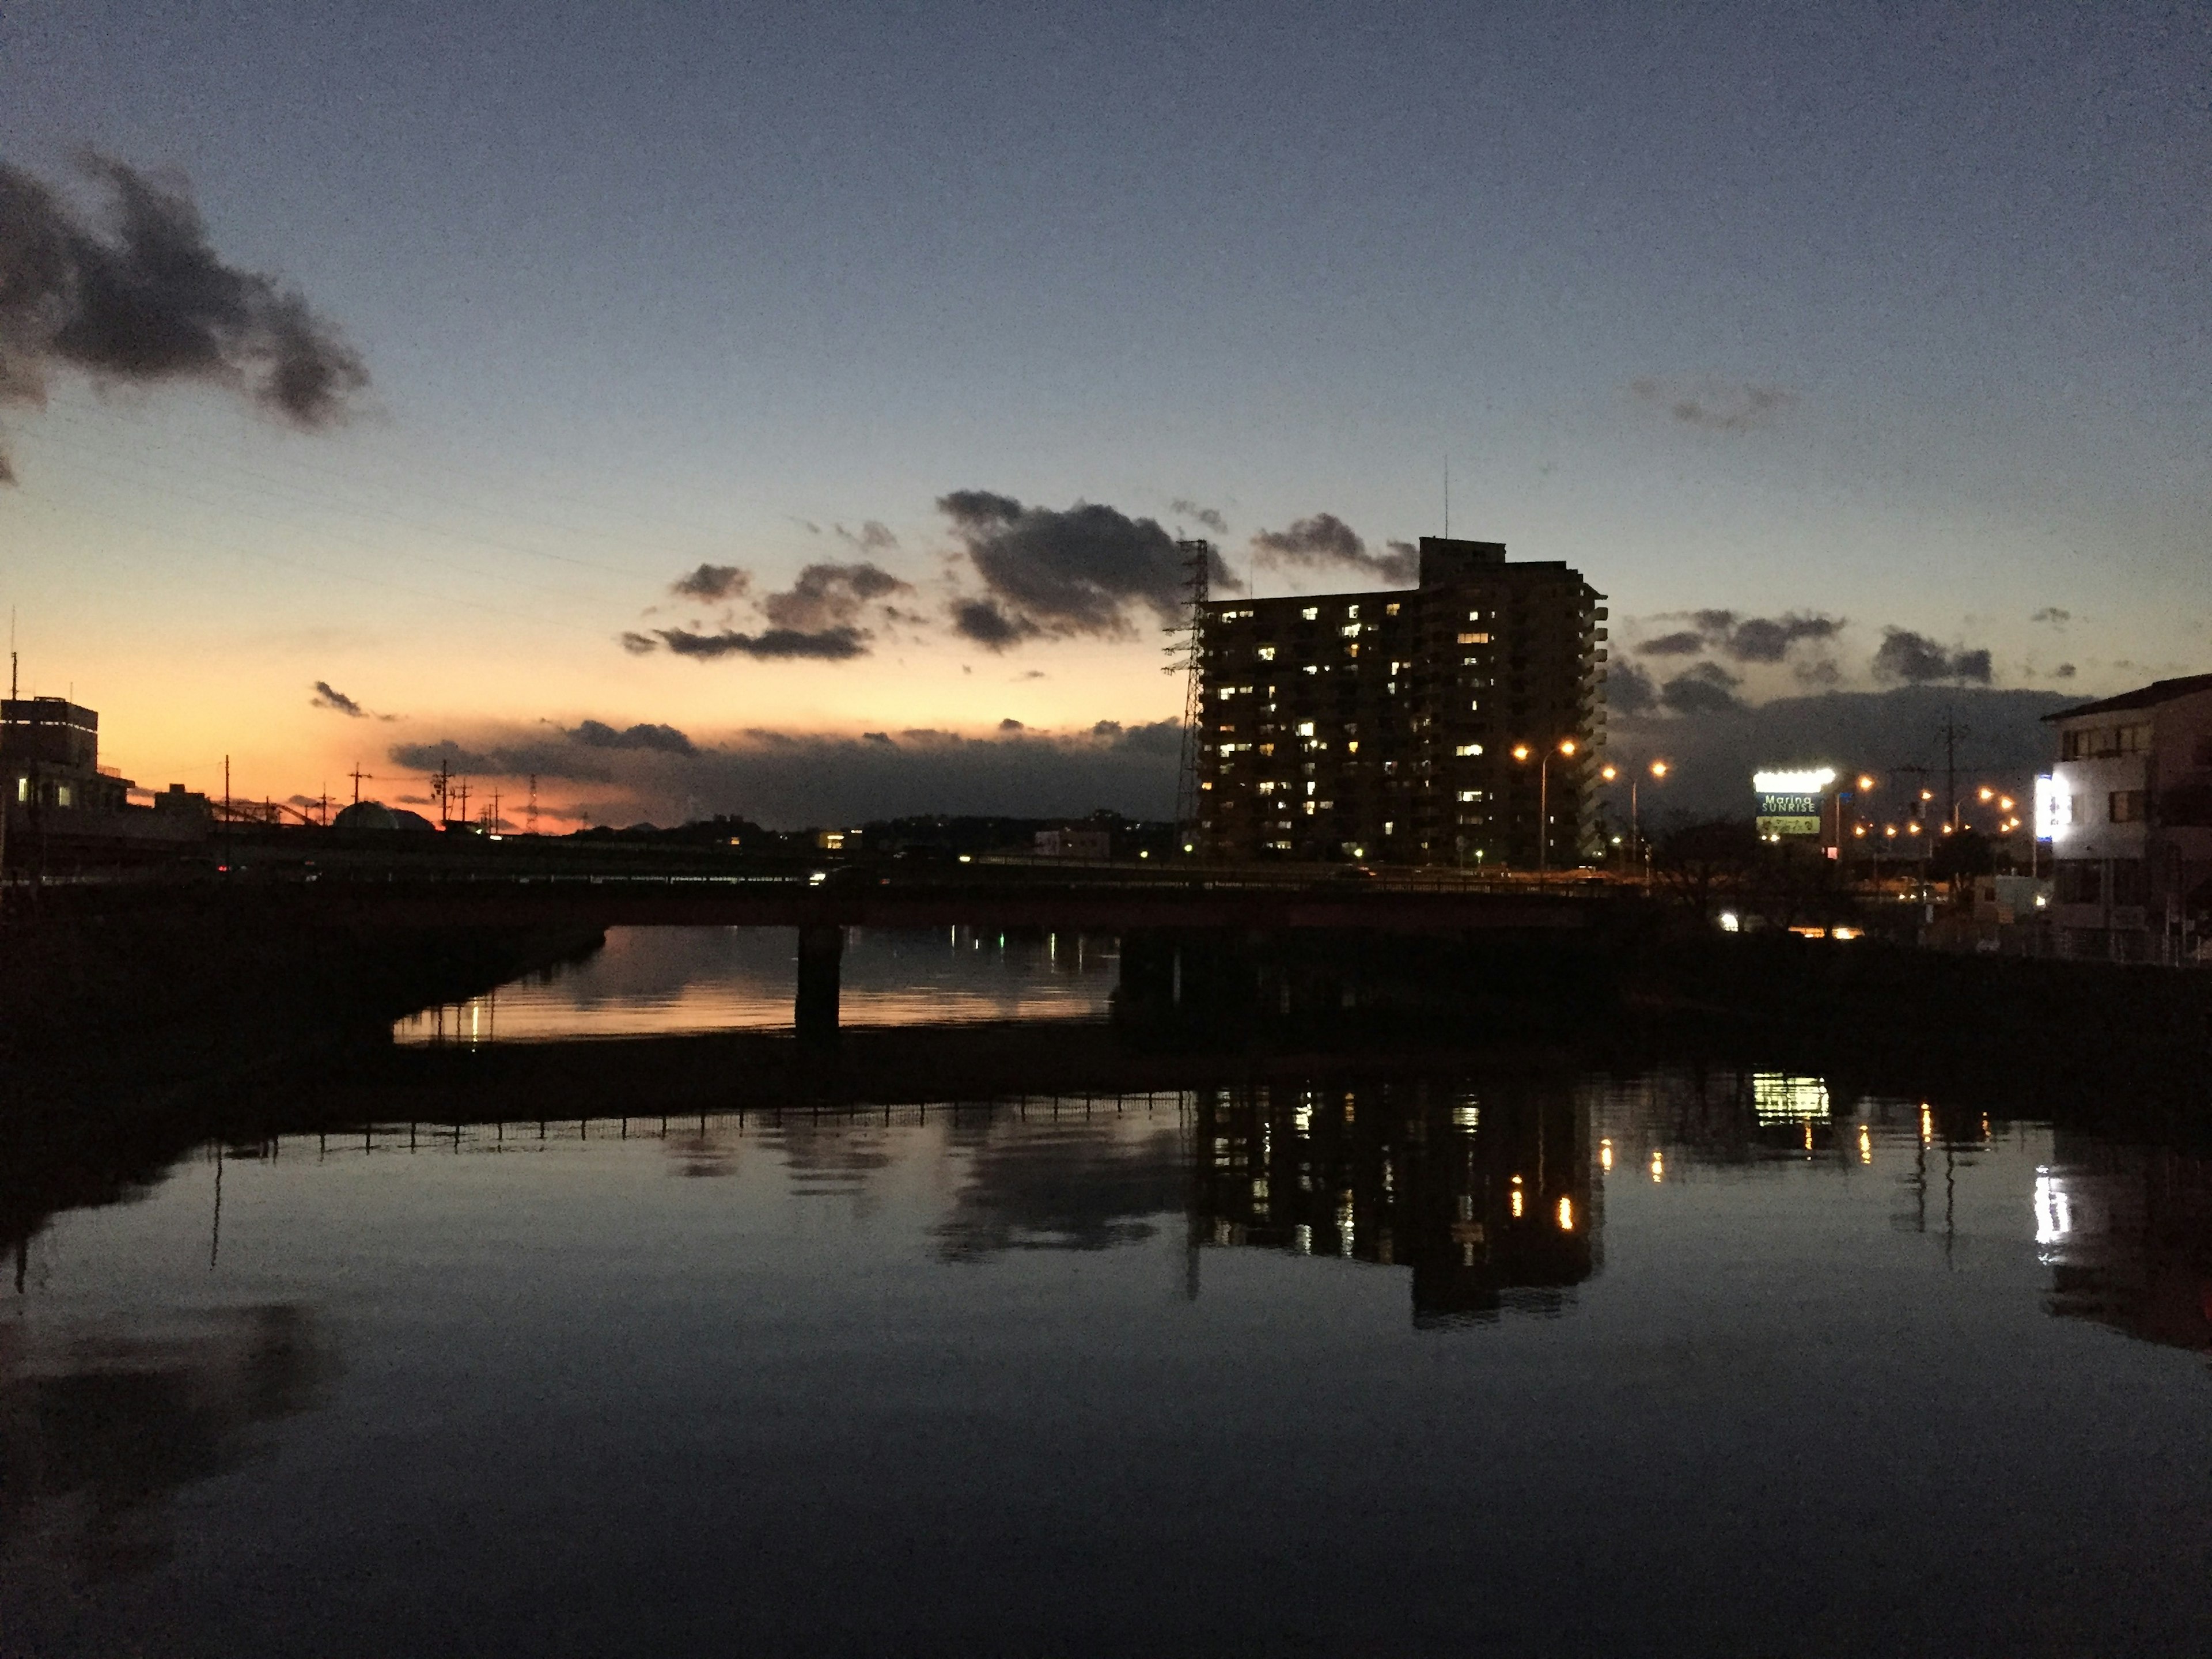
[[1186, 657]]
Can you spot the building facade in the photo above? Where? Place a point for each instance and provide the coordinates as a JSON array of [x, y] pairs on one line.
[[1384, 726], [2128, 811], [56, 797]]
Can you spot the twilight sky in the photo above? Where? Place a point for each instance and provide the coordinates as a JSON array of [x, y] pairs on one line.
[[1890, 319]]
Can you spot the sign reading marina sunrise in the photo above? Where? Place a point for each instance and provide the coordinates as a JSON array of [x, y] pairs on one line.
[[1790, 804]]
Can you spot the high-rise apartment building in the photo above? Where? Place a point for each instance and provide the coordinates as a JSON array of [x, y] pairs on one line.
[[1384, 725]]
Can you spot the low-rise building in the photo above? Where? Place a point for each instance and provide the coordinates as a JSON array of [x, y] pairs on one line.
[[2128, 811], [56, 799]]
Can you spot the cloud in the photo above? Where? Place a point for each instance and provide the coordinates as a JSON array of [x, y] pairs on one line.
[[1743, 638], [328, 696], [988, 625], [712, 583], [2053, 614], [1715, 405], [140, 297], [1713, 756], [1064, 572], [664, 739], [1012, 725], [1917, 659], [771, 644], [1629, 690], [637, 644], [1205, 517], [2065, 671], [1705, 688], [827, 597], [870, 537], [795, 778], [1325, 540]]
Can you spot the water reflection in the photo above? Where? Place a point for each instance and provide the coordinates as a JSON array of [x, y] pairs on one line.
[[1713, 1338], [2126, 1230], [1485, 1192], [101, 1424], [667, 980]]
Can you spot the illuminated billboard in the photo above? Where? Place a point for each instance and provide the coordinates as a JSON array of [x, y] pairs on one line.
[[2054, 813], [1790, 802]]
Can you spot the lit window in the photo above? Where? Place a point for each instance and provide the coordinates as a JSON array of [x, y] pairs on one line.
[[1305, 728], [1266, 654], [1312, 613], [1469, 749], [1390, 609]]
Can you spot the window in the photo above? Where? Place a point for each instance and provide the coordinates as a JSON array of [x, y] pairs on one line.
[[2127, 806], [1390, 609], [1267, 654], [2132, 739], [2130, 881], [1352, 612], [1475, 639], [1312, 613], [2078, 881], [1469, 749], [1305, 728], [2074, 812]]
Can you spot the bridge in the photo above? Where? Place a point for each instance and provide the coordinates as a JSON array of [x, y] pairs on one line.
[[1166, 914]]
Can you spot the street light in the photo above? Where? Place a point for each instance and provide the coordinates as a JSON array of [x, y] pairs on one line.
[[1658, 770], [1568, 747]]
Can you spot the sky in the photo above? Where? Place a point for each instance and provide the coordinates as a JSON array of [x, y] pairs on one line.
[[544, 350]]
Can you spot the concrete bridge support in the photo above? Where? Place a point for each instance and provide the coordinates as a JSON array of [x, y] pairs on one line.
[[821, 954]]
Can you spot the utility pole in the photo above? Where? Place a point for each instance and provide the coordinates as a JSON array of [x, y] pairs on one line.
[[532, 819], [1188, 658], [358, 774], [1951, 732], [439, 786], [464, 800]]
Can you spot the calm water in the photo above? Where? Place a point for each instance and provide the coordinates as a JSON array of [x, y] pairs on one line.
[[665, 981], [1503, 1358]]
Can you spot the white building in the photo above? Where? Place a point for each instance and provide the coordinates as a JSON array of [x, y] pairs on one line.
[[2128, 811]]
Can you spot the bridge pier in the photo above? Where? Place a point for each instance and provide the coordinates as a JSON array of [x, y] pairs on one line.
[[821, 953]]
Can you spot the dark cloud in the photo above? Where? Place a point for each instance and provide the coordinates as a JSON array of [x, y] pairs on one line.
[[791, 779], [870, 537], [828, 597], [1917, 659], [430, 756], [1063, 573], [1744, 638], [1629, 690], [664, 740], [1325, 540], [712, 583], [1768, 639], [141, 297], [1010, 724], [328, 696], [2053, 614], [1705, 688], [636, 644], [1714, 755], [771, 644], [1205, 517], [1717, 406], [2065, 671], [988, 625]]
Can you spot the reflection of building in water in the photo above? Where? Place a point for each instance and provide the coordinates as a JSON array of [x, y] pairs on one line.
[[1485, 1194], [97, 1429], [2127, 1231]]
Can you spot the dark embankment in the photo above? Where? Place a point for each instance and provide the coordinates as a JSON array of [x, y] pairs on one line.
[[104, 997]]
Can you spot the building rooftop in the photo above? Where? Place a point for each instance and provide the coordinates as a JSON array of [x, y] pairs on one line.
[[2148, 697]]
